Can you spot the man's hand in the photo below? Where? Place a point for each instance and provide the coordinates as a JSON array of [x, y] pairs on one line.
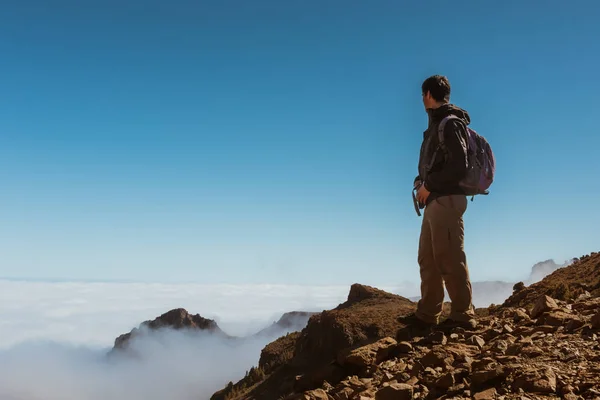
[[423, 194]]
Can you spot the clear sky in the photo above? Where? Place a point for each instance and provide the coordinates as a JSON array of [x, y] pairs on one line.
[[277, 141]]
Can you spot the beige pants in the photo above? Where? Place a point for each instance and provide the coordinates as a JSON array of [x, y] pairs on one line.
[[442, 260]]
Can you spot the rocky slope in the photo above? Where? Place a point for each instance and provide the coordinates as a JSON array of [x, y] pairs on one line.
[[541, 343]]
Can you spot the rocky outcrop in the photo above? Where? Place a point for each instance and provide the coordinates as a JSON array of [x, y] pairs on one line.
[[178, 319], [536, 345], [289, 322], [367, 315]]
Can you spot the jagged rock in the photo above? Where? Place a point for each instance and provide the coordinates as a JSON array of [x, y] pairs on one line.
[[178, 319], [489, 394], [367, 355], [518, 287], [542, 305], [437, 358], [543, 381], [395, 391], [557, 318], [476, 341]]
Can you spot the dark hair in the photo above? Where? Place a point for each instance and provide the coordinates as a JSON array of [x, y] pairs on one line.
[[438, 86]]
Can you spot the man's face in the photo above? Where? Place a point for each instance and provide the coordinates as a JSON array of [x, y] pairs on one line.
[[427, 100]]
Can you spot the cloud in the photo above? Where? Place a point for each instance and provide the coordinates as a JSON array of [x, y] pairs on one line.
[[93, 314], [54, 337], [175, 365]]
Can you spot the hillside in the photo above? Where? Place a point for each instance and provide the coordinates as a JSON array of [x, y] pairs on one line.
[[581, 277], [541, 343]]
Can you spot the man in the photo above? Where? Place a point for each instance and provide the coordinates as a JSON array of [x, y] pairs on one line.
[[441, 253]]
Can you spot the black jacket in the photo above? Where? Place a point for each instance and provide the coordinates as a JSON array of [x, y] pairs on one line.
[[449, 167]]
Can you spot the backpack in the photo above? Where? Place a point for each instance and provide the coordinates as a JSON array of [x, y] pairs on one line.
[[481, 163]]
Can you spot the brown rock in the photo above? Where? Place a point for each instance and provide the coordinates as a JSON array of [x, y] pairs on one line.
[[489, 394], [178, 319], [489, 377], [395, 391], [369, 314], [500, 346], [364, 356], [343, 393], [445, 382], [542, 305], [317, 394], [476, 341], [518, 287], [437, 358], [557, 318], [436, 338], [404, 348], [537, 381]]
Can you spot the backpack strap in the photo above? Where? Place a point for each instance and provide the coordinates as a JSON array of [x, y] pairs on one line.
[[440, 130]]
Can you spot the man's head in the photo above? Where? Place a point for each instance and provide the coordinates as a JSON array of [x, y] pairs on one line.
[[436, 91]]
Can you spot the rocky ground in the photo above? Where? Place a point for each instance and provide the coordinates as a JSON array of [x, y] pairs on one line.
[[541, 343]]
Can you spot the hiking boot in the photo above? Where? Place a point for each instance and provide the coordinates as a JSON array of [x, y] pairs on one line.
[[415, 327], [412, 320], [469, 325]]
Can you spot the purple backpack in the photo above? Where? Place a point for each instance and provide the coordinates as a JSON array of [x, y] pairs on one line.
[[481, 164]]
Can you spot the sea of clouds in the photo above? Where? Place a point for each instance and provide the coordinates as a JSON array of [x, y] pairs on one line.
[[54, 336]]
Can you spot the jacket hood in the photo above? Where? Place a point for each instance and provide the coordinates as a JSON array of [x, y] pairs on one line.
[[438, 114]]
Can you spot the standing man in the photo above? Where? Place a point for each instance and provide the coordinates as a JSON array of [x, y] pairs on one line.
[[441, 253]]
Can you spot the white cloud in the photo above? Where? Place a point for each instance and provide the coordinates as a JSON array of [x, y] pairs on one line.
[[54, 337], [95, 313]]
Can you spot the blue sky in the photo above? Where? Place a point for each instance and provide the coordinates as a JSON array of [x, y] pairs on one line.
[[272, 141]]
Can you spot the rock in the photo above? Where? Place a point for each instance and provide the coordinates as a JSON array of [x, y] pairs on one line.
[[542, 305], [557, 318], [344, 393], [437, 358], [317, 394], [369, 314], [395, 391], [364, 356], [445, 382], [489, 394], [476, 341], [436, 338], [177, 319], [500, 346], [520, 315], [518, 287], [404, 348], [536, 381]]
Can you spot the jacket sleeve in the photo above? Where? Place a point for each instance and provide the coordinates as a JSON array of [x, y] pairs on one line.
[[455, 167], [417, 179]]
